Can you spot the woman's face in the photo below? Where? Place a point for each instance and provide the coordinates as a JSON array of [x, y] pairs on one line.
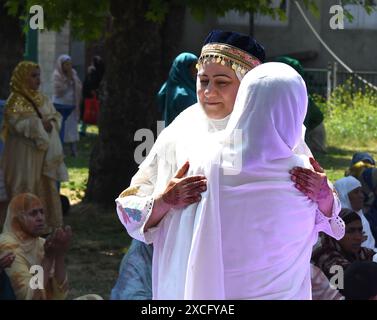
[[34, 79], [356, 197], [67, 66], [217, 88], [351, 242], [34, 221]]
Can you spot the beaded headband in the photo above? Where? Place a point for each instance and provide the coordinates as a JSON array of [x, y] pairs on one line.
[[225, 54]]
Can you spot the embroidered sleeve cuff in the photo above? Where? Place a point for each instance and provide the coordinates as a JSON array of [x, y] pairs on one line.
[[134, 212], [333, 226]]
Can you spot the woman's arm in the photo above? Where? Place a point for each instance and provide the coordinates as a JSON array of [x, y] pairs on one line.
[[30, 127], [139, 212], [180, 192], [314, 184]]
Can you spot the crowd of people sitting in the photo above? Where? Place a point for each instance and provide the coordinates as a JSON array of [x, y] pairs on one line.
[[352, 259]]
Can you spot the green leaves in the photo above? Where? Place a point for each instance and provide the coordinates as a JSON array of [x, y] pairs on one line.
[[157, 11], [14, 7], [88, 17]]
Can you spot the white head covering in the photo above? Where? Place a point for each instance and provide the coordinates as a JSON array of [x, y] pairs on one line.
[[59, 62], [62, 84], [344, 186], [271, 104]]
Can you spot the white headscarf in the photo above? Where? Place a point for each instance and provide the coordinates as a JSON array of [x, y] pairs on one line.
[[59, 62], [272, 109], [60, 79], [344, 186]]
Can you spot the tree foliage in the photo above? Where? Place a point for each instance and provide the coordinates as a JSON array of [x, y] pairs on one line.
[[142, 38], [88, 17]]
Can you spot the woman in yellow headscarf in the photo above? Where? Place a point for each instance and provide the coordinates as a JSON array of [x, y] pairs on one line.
[[32, 159], [23, 226]]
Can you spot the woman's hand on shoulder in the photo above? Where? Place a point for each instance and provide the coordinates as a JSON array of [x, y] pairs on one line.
[[314, 184]]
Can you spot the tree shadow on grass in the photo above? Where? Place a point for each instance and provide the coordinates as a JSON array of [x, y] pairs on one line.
[[337, 157], [97, 248]]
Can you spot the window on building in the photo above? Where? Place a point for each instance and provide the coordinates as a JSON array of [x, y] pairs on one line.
[[234, 17]]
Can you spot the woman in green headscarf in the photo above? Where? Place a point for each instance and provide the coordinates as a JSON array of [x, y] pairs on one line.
[[32, 159], [179, 91]]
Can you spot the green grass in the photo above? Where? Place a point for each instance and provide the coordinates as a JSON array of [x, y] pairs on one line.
[[351, 126], [338, 158], [99, 240], [98, 245], [78, 167]]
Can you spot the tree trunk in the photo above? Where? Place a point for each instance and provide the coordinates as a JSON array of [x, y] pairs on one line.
[[11, 49], [134, 73], [171, 35]]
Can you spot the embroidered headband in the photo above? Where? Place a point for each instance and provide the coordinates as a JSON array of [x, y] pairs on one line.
[[225, 54]]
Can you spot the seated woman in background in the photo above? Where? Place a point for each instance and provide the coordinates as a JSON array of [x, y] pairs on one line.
[[344, 251], [360, 161], [135, 274], [368, 179], [321, 287], [24, 224], [352, 197]]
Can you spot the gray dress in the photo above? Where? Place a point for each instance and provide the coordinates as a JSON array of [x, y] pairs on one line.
[[135, 274]]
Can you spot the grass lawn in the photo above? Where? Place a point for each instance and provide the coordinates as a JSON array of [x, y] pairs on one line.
[[100, 241]]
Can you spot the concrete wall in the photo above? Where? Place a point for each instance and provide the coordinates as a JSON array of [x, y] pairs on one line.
[[357, 47]]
